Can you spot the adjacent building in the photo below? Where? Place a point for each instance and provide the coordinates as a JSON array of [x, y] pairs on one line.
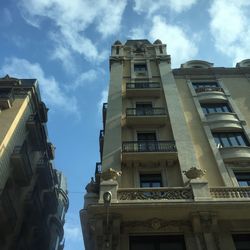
[[33, 194], [175, 155]]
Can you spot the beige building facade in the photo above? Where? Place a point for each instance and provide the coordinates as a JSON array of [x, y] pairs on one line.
[[175, 155], [33, 194]]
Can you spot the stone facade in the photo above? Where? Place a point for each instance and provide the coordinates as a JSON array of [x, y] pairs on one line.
[[175, 155], [33, 194]]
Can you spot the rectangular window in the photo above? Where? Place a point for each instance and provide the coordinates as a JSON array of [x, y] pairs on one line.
[[150, 180], [198, 85], [215, 108], [147, 142], [243, 178], [162, 242], [142, 67], [241, 241], [230, 139], [144, 109]]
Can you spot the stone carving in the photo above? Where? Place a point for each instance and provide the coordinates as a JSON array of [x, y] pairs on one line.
[[156, 224], [92, 186], [110, 174], [139, 47], [160, 194], [194, 173]]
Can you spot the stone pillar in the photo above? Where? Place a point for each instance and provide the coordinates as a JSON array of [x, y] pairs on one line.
[[200, 190], [109, 186]]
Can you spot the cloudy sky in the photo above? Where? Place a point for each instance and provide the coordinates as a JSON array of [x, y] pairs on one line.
[[65, 44]]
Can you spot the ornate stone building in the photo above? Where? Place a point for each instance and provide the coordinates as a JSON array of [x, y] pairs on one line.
[[33, 194], [175, 155]]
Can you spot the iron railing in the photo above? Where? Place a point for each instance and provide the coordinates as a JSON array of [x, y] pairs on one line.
[[143, 85], [145, 111], [208, 89], [149, 146]]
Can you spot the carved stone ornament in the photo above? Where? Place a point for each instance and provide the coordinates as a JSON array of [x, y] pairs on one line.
[[194, 173], [92, 186], [110, 174], [156, 224]]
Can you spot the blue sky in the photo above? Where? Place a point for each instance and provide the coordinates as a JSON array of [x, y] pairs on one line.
[[65, 44]]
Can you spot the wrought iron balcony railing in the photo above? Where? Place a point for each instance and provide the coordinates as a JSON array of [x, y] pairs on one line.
[[148, 146], [145, 111], [208, 89], [143, 85]]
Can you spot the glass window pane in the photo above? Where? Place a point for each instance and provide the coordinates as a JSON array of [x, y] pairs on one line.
[[241, 139], [224, 141], [233, 141]]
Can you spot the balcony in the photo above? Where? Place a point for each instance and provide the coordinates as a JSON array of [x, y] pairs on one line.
[[51, 150], [161, 194], [43, 111], [37, 131], [148, 150], [235, 154], [143, 89], [223, 121], [98, 171], [6, 98], [210, 94], [33, 204], [50, 200], [146, 116], [104, 114], [101, 141], [21, 167], [45, 173], [230, 193]]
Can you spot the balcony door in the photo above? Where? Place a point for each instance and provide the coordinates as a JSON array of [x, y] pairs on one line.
[[147, 142], [144, 109]]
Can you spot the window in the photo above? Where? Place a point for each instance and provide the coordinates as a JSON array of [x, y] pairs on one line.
[[144, 109], [150, 180], [142, 67], [241, 241], [168, 242], [233, 139], [206, 86], [243, 178], [147, 142], [215, 108], [198, 85]]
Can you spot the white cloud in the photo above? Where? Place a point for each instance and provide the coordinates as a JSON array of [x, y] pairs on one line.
[[87, 76], [51, 92], [72, 231], [104, 98], [70, 20], [151, 6], [179, 45], [137, 33], [230, 27]]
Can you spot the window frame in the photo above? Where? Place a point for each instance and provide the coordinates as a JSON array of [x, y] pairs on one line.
[[140, 67], [151, 178], [228, 139], [211, 108], [247, 180]]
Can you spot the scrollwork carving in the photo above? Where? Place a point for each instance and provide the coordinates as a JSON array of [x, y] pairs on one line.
[[149, 194]]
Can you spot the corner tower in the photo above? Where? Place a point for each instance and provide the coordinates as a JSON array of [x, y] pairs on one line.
[[166, 178]]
